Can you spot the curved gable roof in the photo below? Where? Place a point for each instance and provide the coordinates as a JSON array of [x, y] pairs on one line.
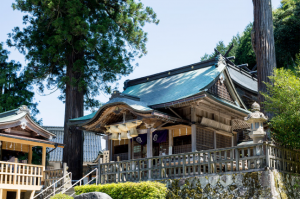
[[175, 87]]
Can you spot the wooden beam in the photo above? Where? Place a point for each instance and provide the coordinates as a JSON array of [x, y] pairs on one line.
[[30, 155], [175, 113], [44, 156], [15, 140], [214, 111]]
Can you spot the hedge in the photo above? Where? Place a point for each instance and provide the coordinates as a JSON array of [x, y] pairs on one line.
[[61, 196], [128, 190]]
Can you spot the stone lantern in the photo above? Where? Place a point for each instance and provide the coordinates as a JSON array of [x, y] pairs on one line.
[[256, 118]]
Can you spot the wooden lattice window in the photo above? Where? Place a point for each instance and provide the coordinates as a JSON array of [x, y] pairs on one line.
[[182, 144], [220, 90], [223, 141], [205, 139]]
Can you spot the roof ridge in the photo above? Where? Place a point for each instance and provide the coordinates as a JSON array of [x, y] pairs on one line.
[[242, 71]]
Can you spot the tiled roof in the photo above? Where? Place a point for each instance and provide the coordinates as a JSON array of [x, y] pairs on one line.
[[91, 145], [175, 87], [242, 79]]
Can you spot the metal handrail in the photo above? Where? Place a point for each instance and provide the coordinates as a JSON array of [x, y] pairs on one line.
[[68, 174], [79, 181]]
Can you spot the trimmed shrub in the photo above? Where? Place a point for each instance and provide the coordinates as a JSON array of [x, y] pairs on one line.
[[61, 196], [128, 190]]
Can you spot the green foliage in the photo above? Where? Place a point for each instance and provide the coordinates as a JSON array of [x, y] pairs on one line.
[[15, 89], [286, 21], [242, 49], [245, 52], [61, 196], [283, 100], [37, 154], [87, 44], [128, 190]]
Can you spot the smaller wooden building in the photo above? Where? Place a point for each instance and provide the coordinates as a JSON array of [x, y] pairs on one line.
[[19, 134]]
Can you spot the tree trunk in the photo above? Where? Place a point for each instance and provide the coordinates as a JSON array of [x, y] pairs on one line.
[[263, 44], [73, 138]]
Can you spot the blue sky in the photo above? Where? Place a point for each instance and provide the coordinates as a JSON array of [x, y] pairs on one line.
[[187, 30]]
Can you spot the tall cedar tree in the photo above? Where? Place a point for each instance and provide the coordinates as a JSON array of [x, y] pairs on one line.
[[263, 44], [15, 89], [80, 47]]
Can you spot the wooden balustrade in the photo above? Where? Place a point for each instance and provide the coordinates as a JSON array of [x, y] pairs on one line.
[[240, 158], [51, 176], [283, 159], [20, 174]]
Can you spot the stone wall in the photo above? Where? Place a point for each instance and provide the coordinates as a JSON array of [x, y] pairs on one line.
[[258, 184]]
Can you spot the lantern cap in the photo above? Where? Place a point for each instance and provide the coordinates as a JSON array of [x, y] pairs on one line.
[[255, 107], [256, 115]]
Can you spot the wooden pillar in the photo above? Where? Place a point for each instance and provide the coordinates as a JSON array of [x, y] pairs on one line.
[[111, 152], [44, 156], [108, 147], [232, 140], [194, 130], [30, 155], [149, 150], [129, 149], [170, 141], [149, 143], [18, 195]]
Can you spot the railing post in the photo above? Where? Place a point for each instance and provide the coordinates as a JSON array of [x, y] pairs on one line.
[[53, 189], [64, 174], [183, 165], [15, 171], [99, 171], [237, 162], [97, 177], [267, 154], [119, 170], [139, 170], [150, 161], [209, 162]]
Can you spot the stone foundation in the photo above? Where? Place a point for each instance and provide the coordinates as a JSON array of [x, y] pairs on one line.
[[258, 184]]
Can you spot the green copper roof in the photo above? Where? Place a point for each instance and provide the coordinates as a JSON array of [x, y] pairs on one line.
[[175, 87], [12, 118], [86, 117]]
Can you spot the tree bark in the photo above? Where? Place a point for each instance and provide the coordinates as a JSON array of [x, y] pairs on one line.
[[73, 138], [263, 44]]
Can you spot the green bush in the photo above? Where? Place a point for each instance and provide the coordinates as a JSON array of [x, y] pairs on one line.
[[128, 190], [61, 196]]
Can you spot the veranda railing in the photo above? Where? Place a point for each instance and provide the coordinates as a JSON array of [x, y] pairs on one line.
[[239, 158]]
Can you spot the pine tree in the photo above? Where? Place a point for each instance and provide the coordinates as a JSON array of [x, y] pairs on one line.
[[15, 89], [80, 47]]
